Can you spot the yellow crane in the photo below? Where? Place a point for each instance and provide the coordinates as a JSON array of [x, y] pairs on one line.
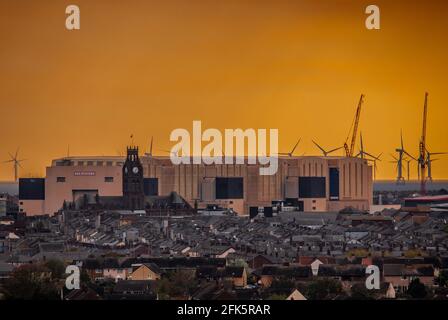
[[422, 149], [349, 150]]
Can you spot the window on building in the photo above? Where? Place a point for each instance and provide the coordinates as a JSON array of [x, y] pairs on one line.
[[109, 163], [150, 186], [108, 179], [90, 163], [60, 179], [334, 183], [312, 187], [229, 188], [32, 189]]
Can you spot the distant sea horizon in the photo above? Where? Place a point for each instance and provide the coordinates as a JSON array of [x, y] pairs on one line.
[[411, 185]]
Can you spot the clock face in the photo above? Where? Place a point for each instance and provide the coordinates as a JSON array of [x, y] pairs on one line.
[[135, 170], [126, 170]]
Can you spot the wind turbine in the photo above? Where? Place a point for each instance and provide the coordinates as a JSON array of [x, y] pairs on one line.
[[290, 154], [14, 159], [401, 152], [150, 148], [408, 170], [422, 149], [375, 168], [325, 152], [399, 162], [429, 161], [362, 153]]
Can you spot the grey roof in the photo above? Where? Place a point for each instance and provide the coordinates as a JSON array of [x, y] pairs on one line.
[[6, 268]]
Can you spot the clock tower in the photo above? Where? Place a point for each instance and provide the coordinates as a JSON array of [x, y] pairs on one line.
[[133, 194]]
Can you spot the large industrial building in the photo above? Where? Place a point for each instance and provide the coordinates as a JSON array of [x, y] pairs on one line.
[[312, 183]]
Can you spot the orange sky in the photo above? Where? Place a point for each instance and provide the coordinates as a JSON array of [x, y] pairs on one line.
[[148, 67]]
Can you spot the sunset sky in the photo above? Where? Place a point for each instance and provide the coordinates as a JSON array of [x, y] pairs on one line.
[[148, 67]]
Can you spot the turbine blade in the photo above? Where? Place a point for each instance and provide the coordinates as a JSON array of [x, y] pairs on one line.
[[321, 149], [333, 150], [293, 149], [150, 148], [401, 137], [371, 156], [408, 154], [396, 159], [437, 153]]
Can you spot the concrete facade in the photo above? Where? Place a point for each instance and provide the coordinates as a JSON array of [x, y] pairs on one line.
[[69, 178], [196, 182], [32, 207]]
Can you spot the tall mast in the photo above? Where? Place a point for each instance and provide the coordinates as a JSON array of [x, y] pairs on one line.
[[349, 150], [422, 148]]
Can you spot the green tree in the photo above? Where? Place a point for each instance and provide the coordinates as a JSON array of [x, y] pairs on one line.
[[445, 228], [442, 279], [30, 282], [85, 278], [323, 289], [178, 283], [360, 292], [56, 267], [277, 296], [240, 263], [417, 290], [282, 283]]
